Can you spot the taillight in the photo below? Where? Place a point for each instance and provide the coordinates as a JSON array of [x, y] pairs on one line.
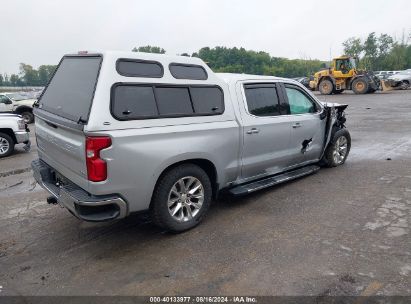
[[96, 167]]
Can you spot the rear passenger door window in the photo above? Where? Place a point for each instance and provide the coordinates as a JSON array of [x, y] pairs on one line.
[[299, 102], [262, 99]]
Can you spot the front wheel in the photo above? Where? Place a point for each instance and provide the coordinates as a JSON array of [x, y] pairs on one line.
[[360, 86], [28, 117], [181, 198], [6, 145], [404, 85], [338, 149]]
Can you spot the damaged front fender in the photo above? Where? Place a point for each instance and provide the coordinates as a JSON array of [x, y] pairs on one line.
[[335, 120]]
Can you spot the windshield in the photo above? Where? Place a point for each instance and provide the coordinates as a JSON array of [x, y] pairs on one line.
[[353, 63], [16, 96], [345, 65], [71, 89]]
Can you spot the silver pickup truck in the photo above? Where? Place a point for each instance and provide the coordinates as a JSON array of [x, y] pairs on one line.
[[124, 132]]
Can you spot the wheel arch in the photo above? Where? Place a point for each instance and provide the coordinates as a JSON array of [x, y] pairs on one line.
[[9, 132], [207, 165], [353, 79], [325, 78], [21, 109], [326, 160]]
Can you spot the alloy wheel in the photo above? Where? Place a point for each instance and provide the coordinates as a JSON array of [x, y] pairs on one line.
[[185, 199], [404, 85], [26, 119], [340, 150], [4, 146]]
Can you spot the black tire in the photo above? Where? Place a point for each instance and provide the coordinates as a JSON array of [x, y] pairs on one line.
[[6, 145], [328, 159], [159, 204], [404, 85], [360, 86], [326, 87], [28, 117]]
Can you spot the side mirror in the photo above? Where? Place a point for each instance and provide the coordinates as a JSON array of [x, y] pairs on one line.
[[8, 102]]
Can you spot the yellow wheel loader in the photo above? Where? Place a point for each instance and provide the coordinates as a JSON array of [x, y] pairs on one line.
[[343, 75]]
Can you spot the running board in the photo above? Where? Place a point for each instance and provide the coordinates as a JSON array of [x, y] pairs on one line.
[[272, 180]]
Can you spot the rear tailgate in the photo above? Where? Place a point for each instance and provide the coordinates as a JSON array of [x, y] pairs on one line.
[[63, 149], [63, 110]]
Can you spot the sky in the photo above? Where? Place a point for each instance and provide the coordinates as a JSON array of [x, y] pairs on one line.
[[40, 32]]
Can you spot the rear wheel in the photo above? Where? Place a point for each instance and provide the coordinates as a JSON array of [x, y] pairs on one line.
[[326, 87], [360, 86], [181, 198], [6, 145], [338, 149]]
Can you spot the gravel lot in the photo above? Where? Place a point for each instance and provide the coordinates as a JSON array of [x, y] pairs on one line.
[[342, 231]]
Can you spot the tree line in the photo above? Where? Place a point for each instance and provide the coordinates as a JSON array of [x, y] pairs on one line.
[[375, 52], [28, 76], [380, 52], [239, 60]]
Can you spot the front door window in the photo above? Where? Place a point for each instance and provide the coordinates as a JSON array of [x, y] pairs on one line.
[[299, 103], [4, 100]]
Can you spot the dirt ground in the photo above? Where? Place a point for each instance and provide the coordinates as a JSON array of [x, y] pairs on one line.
[[342, 231]]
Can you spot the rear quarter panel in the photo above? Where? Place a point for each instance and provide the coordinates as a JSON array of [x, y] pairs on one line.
[[137, 157]]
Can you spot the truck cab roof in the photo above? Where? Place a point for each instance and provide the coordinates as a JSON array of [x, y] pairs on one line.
[[230, 77]]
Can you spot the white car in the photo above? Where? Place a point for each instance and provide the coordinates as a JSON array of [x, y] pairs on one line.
[[401, 80], [17, 104], [13, 131], [385, 74]]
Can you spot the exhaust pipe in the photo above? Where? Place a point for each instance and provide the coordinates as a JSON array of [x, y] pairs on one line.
[[51, 200]]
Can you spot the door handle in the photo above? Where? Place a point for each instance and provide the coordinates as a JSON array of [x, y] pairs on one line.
[[296, 125], [253, 131]]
